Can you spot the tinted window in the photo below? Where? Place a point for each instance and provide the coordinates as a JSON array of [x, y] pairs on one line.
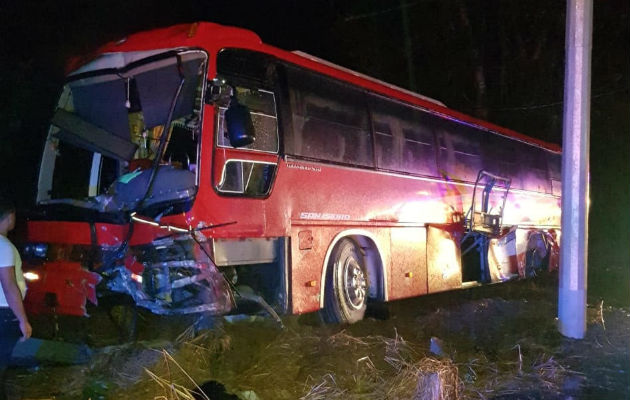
[[404, 137], [250, 178], [262, 106], [251, 77], [533, 168], [525, 164], [499, 157], [101, 100], [460, 150], [554, 163], [330, 120], [385, 146], [241, 65]]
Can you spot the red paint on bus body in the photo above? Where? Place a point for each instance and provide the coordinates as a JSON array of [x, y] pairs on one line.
[[323, 198], [70, 285]]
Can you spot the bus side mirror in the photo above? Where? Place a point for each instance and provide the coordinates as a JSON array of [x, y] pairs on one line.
[[240, 127]]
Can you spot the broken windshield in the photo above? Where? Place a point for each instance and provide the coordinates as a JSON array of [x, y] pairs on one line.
[[106, 130]]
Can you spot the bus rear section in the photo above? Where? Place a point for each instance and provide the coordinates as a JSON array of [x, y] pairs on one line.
[[219, 168]]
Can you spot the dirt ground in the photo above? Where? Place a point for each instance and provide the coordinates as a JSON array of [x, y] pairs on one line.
[[493, 342]]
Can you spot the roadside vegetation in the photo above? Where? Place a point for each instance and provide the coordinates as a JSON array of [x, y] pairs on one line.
[[496, 342]]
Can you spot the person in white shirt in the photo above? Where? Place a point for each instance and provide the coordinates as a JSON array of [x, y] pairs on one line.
[[13, 319]]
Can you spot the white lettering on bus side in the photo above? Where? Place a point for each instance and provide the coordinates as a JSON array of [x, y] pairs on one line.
[[326, 216], [304, 167]]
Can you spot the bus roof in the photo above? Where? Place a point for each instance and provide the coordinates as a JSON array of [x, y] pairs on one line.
[[213, 37]]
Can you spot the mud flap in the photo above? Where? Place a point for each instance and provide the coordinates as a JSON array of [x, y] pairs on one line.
[[63, 288]]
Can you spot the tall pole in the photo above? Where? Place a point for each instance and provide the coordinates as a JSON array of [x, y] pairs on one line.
[[575, 170]]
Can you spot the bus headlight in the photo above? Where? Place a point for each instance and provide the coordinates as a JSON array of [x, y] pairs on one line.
[[31, 276], [35, 250]]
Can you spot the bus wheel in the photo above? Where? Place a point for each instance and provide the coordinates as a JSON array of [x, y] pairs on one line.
[[346, 284]]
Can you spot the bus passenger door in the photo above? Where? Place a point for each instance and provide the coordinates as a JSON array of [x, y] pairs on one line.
[[246, 143]]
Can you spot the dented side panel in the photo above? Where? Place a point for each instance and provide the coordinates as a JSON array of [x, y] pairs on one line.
[[107, 235], [444, 257], [503, 257], [520, 251], [63, 287]]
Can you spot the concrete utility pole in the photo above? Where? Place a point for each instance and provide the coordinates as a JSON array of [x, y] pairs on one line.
[[575, 170]]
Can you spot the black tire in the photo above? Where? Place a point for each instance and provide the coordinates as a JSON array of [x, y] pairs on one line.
[[347, 284]]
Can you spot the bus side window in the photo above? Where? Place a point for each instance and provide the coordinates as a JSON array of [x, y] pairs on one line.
[[499, 157], [554, 162], [533, 166], [330, 120], [385, 148], [252, 78], [262, 106], [460, 153], [404, 137], [418, 146], [250, 178]]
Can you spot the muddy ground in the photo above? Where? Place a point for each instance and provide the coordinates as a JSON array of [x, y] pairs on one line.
[[494, 342]]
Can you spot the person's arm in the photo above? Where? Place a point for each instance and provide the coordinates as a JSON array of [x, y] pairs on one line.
[[14, 299]]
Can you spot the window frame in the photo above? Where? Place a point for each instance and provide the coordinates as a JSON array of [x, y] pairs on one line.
[[218, 127], [232, 154], [243, 193], [403, 138], [359, 91]]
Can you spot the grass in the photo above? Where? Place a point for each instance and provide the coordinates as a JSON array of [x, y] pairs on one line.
[[496, 342]]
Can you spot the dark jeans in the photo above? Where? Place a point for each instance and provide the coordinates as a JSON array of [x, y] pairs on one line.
[[9, 335]]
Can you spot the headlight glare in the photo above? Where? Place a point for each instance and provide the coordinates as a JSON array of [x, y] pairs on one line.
[[31, 276]]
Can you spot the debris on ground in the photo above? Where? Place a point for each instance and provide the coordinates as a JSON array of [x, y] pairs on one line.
[[498, 342], [436, 346]]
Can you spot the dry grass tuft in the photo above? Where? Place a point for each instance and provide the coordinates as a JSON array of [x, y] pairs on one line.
[[173, 390], [401, 372], [500, 349]]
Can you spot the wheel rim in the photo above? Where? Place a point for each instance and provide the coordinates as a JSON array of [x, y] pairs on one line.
[[355, 284]]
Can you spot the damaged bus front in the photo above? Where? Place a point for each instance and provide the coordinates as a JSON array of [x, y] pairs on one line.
[[118, 179]]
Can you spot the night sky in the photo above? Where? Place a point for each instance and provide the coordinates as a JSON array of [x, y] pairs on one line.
[[501, 60]]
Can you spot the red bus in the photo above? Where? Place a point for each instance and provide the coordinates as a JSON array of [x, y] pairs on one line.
[[190, 165]]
